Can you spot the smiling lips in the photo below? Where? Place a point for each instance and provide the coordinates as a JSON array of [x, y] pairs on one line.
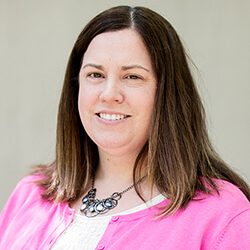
[[112, 117]]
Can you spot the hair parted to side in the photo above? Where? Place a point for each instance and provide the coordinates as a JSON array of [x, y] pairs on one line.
[[179, 156]]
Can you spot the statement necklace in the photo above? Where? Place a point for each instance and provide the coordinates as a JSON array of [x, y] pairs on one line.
[[91, 206]]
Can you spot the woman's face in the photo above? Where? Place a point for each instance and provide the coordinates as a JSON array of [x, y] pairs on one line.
[[117, 91]]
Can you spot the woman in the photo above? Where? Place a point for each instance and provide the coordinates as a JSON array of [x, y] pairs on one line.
[[134, 166]]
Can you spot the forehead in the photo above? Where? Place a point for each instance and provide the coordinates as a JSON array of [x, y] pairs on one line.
[[123, 45]]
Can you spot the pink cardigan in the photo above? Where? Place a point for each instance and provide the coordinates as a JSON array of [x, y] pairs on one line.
[[209, 222]]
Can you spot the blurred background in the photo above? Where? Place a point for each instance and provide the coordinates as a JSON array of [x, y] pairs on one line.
[[36, 38]]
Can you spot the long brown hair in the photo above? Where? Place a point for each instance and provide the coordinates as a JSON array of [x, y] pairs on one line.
[[179, 156]]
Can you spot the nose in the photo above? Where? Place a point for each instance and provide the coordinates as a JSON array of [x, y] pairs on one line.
[[111, 92]]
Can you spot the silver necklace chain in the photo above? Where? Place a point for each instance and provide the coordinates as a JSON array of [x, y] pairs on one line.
[[91, 206]]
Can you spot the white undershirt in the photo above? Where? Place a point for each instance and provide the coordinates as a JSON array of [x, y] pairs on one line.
[[84, 233]]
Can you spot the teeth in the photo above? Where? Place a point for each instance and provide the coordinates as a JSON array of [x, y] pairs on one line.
[[111, 117]]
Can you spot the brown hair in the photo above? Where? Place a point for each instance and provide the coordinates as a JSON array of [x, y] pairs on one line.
[[179, 156]]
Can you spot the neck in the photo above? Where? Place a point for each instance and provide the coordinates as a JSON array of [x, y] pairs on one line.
[[115, 174], [113, 168]]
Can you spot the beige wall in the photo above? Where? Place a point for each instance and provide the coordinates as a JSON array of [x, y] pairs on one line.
[[37, 36]]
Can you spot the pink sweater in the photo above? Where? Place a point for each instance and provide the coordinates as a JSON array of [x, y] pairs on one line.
[[209, 222]]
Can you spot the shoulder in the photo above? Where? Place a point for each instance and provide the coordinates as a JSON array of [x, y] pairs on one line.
[[228, 213], [214, 211], [29, 216], [219, 215], [28, 186], [223, 205], [27, 191], [29, 181], [25, 195], [228, 198], [217, 211]]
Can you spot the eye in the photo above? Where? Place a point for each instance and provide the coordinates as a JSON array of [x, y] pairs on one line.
[[95, 75], [133, 77]]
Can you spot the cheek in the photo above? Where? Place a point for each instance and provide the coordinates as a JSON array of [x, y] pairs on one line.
[[147, 101], [84, 105], [81, 100], [81, 104], [149, 108], [86, 99]]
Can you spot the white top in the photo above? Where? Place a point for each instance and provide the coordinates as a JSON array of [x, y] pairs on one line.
[[84, 233]]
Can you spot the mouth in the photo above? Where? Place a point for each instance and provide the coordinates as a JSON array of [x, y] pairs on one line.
[[112, 117]]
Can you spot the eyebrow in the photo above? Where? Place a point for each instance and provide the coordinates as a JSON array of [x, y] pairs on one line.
[[134, 66], [92, 65], [123, 67]]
